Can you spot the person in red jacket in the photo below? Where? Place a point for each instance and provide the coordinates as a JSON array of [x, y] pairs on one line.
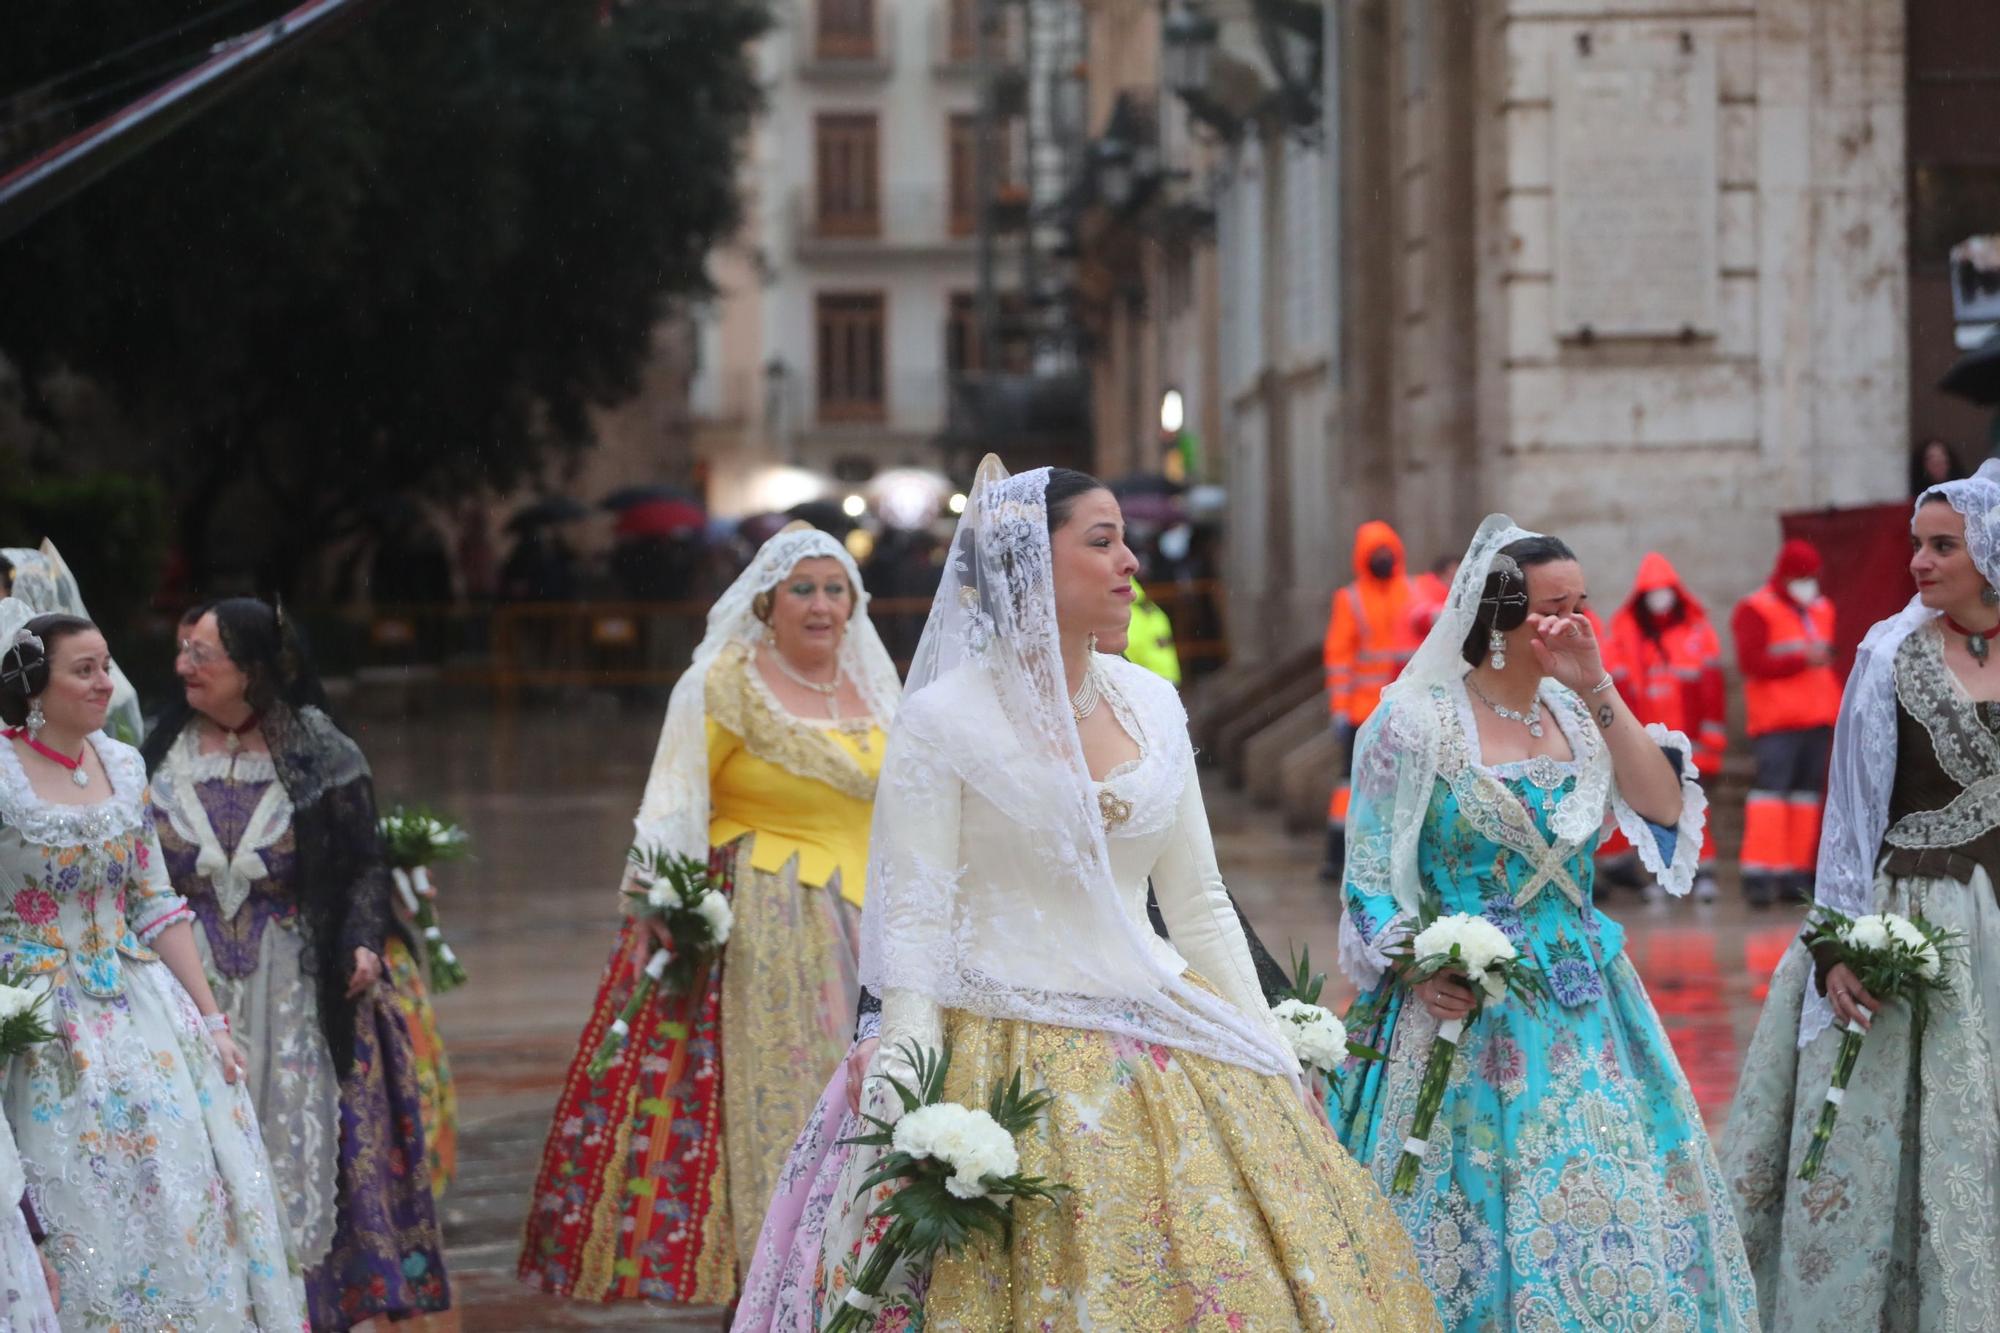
[[1663, 651], [1428, 593], [1791, 695], [1369, 638]]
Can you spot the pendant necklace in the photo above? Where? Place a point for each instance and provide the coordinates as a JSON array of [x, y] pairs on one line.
[[1532, 719], [77, 775], [232, 737], [829, 691], [1977, 641]]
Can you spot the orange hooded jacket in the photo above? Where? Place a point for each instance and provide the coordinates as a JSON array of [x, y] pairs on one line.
[[1671, 673], [1369, 634]]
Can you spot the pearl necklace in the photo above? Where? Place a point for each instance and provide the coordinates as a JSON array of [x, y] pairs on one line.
[[829, 691], [1532, 719], [1084, 702]]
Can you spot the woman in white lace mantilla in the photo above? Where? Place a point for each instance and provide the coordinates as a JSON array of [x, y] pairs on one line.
[[1032, 789], [137, 1134], [1900, 1227], [1568, 1182]]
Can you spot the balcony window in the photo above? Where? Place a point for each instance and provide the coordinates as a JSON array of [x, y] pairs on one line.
[[851, 334], [847, 165], [846, 30]]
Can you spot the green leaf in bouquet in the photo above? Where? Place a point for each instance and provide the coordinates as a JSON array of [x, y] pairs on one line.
[[1306, 984], [1358, 1051], [28, 1026], [1015, 1110]]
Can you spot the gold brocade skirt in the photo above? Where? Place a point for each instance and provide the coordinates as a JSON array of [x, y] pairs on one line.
[[1206, 1197], [789, 988]]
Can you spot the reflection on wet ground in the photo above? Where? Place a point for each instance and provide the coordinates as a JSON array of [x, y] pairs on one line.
[[549, 800]]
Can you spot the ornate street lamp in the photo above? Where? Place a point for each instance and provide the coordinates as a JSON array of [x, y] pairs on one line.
[[1188, 37], [1293, 34]]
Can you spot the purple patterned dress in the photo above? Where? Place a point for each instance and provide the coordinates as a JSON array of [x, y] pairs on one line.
[[348, 1152]]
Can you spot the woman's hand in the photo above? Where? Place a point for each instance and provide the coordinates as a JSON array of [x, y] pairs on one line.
[[367, 971], [1447, 995], [1309, 1093], [55, 1282], [858, 1060], [1568, 650], [226, 1051], [1850, 1000], [649, 936]]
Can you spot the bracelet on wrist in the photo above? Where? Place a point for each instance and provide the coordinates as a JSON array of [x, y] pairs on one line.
[[216, 1022], [1603, 685]]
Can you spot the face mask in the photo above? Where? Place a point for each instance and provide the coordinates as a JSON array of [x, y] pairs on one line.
[[1803, 591], [1662, 601], [1382, 564]]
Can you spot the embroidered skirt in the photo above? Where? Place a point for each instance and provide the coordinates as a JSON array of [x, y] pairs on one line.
[[641, 1194], [1900, 1229], [434, 1086], [1205, 1197]]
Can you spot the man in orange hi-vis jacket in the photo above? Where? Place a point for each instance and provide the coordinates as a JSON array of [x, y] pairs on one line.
[[1791, 695], [1369, 637], [1663, 651]]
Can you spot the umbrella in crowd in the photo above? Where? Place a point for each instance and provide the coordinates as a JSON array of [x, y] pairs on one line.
[[628, 497], [550, 509], [1976, 375], [661, 518]]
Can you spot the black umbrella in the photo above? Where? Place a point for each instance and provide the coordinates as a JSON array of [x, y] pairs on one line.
[[826, 515], [1976, 375], [626, 496], [1145, 483], [547, 510]]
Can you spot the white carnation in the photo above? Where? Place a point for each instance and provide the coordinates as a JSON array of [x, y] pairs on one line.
[[661, 896], [16, 1000], [1929, 964], [1903, 930], [1481, 944], [970, 1142], [714, 909], [1317, 1037], [1870, 933]]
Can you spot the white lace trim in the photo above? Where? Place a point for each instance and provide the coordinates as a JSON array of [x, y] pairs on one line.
[[1678, 877], [46, 824], [1364, 961], [233, 873]]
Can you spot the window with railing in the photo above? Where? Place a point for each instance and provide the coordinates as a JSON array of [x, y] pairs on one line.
[[851, 332], [962, 154], [846, 30], [847, 175]]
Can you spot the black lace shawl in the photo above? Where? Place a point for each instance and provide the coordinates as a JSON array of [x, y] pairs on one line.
[[342, 880]]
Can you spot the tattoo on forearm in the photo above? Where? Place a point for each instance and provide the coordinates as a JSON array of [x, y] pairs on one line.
[[1605, 717]]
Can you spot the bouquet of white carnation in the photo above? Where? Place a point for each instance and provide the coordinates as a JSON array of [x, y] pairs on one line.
[[1894, 958], [680, 893], [412, 842], [960, 1174], [1317, 1037], [22, 1023], [1479, 951]]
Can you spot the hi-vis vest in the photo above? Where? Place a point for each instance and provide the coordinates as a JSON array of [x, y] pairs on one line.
[[1810, 698]]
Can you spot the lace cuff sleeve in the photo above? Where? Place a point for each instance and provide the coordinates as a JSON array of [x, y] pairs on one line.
[[907, 1019], [1671, 855]]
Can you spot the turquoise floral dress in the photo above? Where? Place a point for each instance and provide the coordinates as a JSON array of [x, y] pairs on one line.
[[1569, 1183]]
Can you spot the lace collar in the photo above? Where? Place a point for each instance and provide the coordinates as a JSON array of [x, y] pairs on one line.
[[50, 825], [1544, 771]]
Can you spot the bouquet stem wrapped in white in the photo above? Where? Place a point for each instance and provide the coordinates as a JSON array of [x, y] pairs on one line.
[[413, 841], [960, 1174], [1894, 958], [680, 893], [1480, 952]]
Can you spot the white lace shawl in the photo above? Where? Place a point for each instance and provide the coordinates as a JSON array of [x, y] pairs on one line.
[[674, 813], [1024, 921], [1863, 773]]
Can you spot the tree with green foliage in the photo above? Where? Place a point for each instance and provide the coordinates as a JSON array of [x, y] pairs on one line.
[[407, 263]]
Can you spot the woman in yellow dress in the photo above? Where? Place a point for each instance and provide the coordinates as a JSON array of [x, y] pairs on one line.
[[1033, 789], [655, 1175]]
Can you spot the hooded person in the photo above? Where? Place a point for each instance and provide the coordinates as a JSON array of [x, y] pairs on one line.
[[1370, 634], [1791, 694], [1662, 649]]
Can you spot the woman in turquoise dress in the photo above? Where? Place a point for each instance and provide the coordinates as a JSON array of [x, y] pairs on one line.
[[1568, 1182]]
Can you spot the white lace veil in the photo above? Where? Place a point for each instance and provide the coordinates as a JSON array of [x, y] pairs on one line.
[[1396, 757], [43, 582], [674, 813], [1864, 738], [987, 704]]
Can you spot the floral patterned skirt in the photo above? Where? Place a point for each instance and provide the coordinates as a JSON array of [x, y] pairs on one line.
[[1900, 1230], [434, 1086], [1205, 1197], [641, 1195], [146, 1168], [1569, 1182]]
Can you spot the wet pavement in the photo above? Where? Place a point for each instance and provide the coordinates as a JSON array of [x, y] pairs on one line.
[[548, 798]]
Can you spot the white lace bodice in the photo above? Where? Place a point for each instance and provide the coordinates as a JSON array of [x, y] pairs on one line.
[[1157, 833]]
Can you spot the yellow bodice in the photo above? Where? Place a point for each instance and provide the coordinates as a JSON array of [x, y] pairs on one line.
[[798, 788]]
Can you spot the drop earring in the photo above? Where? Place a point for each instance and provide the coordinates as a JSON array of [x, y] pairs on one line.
[[1990, 595], [36, 719], [1090, 643], [1496, 644]]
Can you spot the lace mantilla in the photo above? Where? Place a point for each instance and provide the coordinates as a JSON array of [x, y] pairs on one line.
[[739, 699], [49, 825]]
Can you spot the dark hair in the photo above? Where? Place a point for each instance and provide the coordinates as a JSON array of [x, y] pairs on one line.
[[264, 648], [7, 574], [24, 668], [1503, 603], [1920, 480], [1066, 486]]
